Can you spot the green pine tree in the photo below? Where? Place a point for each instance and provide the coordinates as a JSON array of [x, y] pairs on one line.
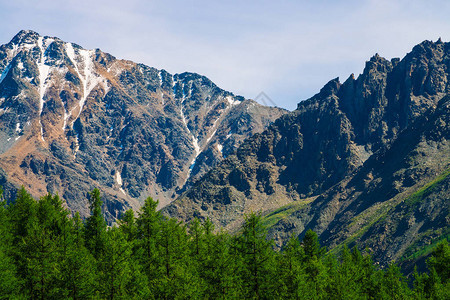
[[95, 231], [174, 279], [78, 266], [114, 266], [148, 233], [290, 268], [316, 276], [257, 259], [9, 283], [127, 224]]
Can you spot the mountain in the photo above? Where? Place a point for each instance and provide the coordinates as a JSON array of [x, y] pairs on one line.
[[73, 119], [366, 160]]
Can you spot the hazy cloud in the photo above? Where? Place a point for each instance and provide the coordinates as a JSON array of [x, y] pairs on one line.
[[288, 49]]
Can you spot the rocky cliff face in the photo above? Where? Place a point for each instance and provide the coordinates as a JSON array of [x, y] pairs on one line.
[[308, 162], [72, 119], [394, 205]]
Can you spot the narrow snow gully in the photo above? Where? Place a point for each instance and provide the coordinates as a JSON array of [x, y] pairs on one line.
[[84, 79], [119, 182], [44, 71], [89, 80], [212, 131], [160, 85], [197, 149]]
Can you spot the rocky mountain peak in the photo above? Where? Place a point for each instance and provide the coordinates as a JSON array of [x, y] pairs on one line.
[[331, 88], [25, 37], [97, 121], [328, 138], [429, 48], [377, 64]]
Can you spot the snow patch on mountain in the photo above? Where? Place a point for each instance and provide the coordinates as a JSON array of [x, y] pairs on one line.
[[231, 101], [197, 149], [196, 146], [220, 148], [160, 79], [44, 71], [87, 72], [89, 79], [76, 146], [194, 139], [119, 178], [214, 128], [120, 182], [160, 87]]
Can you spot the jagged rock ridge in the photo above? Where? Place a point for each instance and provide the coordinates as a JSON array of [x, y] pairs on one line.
[[297, 172]]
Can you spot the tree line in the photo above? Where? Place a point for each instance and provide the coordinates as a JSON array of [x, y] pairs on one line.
[[45, 253]]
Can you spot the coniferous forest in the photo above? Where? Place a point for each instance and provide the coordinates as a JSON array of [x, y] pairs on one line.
[[47, 254]]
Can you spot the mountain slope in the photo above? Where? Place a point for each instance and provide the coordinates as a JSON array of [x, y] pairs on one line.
[[299, 170], [398, 198], [72, 119]]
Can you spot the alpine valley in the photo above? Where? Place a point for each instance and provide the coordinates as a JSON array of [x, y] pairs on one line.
[[365, 162]]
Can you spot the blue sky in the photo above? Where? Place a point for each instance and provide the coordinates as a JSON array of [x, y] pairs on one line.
[[288, 49]]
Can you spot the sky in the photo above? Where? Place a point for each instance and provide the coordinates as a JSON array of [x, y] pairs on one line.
[[286, 49]]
